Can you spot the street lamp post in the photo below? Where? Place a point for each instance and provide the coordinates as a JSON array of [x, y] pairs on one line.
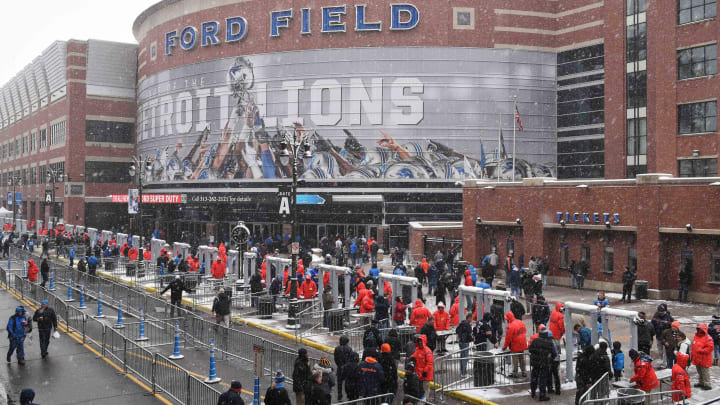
[[138, 162], [52, 177], [293, 145], [14, 181]]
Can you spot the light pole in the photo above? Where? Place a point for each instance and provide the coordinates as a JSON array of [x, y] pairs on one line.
[[13, 181], [52, 176], [147, 166], [292, 146]]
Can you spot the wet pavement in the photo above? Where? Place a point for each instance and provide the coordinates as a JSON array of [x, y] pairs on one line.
[[71, 374]]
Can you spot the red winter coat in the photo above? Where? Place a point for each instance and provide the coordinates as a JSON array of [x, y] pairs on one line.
[[387, 289], [368, 304], [425, 265], [326, 278], [455, 312], [468, 279], [644, 377], [33, 270], [557, 322], [399, 312], [218, 269], [423, 360], [133, 254], [308, 289], [680, 378], [702, 348], [442, 320], [362, 293], [147, 255], [419, 315], [263, 270], [515, 336]]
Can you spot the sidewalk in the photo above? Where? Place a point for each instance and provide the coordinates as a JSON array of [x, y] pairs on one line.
[[71, 374]]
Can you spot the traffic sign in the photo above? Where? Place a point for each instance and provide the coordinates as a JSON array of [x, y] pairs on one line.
[[48, 197], [309, 199]]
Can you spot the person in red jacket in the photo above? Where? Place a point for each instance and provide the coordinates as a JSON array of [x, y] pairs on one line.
[[368, 303], [468, 279], [644, 378], [423, 361], [32, 270], [361, 293], [557, 323], [147, 254], [425, 266], [399, 311], [326, 278], [419, 315], [263, 269], [308, 289], [455, 312], [516, 341], [702, 352], [133, 254], [442, 318], [300, 268], [680, 378], [218, 269]]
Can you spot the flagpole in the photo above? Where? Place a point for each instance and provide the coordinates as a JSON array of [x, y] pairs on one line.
[[514, 126], [497, 162]]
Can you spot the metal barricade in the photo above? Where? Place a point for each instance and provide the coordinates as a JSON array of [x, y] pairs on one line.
[[199, 393], [599, 390], [170, 378], [653, 398], [455, 372], [138, 360]]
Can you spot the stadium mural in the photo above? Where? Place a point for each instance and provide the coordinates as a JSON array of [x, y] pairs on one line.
[[369, 114]]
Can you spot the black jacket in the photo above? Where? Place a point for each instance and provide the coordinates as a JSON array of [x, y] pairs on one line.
[[342, 353], [628, 277], [256, 283], [46, 319], [429, 331], [301, 375], [464, 332], [413, 387], [318, 394], [584, 369], [176, 288], [351, 374], [230, 397], [542, 352], [645, 332], [686, 276], [517, 309], [541, 313], [277, 396], [389, 384], [44, 267], [395, 345], [600, 364], [221, 304]]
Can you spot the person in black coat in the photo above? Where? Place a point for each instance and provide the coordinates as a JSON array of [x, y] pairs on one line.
[[628, 279], [600, 362], [583, 372], [277, 394], [351, 373], [429, 330], [319, 394], [232, 396], [47, 321], [342, 355], [44, 272], [393, 339], [540, 312], [371, 378], [301, 376], [256, 288], [645, 332], [370, 347], [381, 309], [517, 309], [176, 288], [389, 384], [412, 387], [542, 352]]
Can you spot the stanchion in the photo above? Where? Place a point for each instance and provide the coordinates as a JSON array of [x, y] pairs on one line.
[[99, 311], [24, 270], [119, 324], [212, 378], [52, 281], [82, 297], [256, 393], [176, 348], [69, 298], [142, 337]]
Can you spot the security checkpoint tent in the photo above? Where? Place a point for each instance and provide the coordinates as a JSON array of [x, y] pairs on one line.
[[106, 235], [121, 238], [248, 267], [181, 248], [484, 299], [397, 283], [136, 242], [335, 273], [592, 311], [92, 234], [233, 264], [156, 245], [279, 264]]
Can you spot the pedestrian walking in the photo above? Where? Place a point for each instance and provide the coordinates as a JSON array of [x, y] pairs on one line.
[[413, 386], [44, 272], [702, 349], [92, 263], [371, 379], [618, 360], [540, 312], [351, 374], [423, 357], [645, 332], [685, 278], [554, 373], [317, 394], [542, 351], [221, 308], [557, 323], [661, 321], [465, 338], [176, 287], [583, 269], [342, 355], [301, 376], [18, 327], [47, 321], [388, 363], [232, 396], [277, 394], [516, 342]]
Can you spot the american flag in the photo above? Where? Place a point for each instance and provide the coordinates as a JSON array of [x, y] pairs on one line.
[[518, 120]]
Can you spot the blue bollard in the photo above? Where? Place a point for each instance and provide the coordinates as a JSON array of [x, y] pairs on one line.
[[256, 392], [52, 281], [25, 270], [99, 311], [119, 324], [69, 297], [82, 297], [162, 269], [212, 378], [176, 348], [142, 337]]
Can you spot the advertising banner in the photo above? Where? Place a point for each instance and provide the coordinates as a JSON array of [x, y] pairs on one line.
[[372, 114], [133, 198]]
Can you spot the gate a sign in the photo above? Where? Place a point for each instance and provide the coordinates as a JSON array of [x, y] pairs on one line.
[[48, 197], [284, 198]]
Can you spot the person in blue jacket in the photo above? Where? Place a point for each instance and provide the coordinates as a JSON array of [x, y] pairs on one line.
[[473, 273], [353, 251], [398, 271], [584, 336], [18, 325], [374, 271], [618, 360], [482, 284], [71, 255], [371, 377], [92, 265]]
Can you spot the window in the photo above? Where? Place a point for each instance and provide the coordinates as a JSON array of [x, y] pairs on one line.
[[637, 89], [33, 141], [23, 176], [25, 144], [585, 253], [57, 133], [59, 169], [33, 175], [564, 256], [43, 138], [715, 268], [636, 36], [697, 118], [42, 175], [16, 150], [632, 258], [637, 137], [635, 7], [697, 62], [109, 131], [107, 172], [696, 10], [608, 259], [698, 167]]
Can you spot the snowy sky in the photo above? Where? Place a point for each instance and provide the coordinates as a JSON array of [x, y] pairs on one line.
[[27, 27]]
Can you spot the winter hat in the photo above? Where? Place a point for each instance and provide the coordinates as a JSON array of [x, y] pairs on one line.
[[279, 377], [541, 328], [633, 354], [302, 351], [236, 385], [410, 366], [661, 308], [385, 348], [325, 362], [675, 324], [44, 302], [543, 332], [440, 305]]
